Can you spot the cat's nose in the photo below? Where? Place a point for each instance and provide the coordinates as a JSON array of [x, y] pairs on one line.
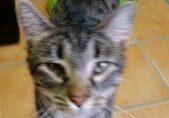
[[78, 100]]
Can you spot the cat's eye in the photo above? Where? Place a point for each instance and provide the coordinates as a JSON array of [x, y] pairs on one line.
[[101, 67], [57, 68]]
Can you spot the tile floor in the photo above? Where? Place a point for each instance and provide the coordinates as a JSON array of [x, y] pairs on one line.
[[144, 91]]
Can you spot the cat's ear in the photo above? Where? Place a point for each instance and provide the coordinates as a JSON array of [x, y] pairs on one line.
[[31, 20], [120, 23]]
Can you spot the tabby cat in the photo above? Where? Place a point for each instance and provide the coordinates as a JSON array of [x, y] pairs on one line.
[[76, 65]]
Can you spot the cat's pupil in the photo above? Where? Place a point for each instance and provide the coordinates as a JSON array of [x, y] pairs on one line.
[[100, 68]]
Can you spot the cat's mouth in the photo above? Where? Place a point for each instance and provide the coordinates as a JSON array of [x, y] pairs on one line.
[[89, 105], [72, 110]]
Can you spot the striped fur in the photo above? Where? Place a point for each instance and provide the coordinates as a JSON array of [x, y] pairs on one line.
[[68, 61], [86, 13]]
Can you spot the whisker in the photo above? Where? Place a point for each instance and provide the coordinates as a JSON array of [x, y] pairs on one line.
[[47, 112], [59, 114], [109, 109], [104, 115]]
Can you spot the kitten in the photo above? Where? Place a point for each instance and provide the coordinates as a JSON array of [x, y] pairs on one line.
[[76, 70]]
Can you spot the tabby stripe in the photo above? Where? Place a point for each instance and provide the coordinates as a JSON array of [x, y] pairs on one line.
[[105, 4], [60, 98], [60, 103]]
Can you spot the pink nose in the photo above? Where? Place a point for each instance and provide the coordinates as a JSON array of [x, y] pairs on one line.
[[78, 100]]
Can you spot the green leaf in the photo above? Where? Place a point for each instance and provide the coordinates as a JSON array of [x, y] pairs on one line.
[[123, 1], [51, 5]]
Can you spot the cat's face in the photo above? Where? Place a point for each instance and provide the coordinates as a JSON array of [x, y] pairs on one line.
[[81, 67], [76, 71]]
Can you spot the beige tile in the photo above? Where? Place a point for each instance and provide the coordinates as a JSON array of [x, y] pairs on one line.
[[140, 83], [0, 105], [154, 111], [152, 19], [15, 52], [16, 90], [159, 53]]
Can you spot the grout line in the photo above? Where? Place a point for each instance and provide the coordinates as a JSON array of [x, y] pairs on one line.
[[125, 111], [152, 63], [12, 63], [144, 41], [145, 105], [151, 39]]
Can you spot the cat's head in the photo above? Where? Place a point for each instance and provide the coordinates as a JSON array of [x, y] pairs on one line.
[[75, 69], [86, 13]]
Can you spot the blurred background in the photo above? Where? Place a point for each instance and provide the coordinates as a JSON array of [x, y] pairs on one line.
[[144, 91]]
